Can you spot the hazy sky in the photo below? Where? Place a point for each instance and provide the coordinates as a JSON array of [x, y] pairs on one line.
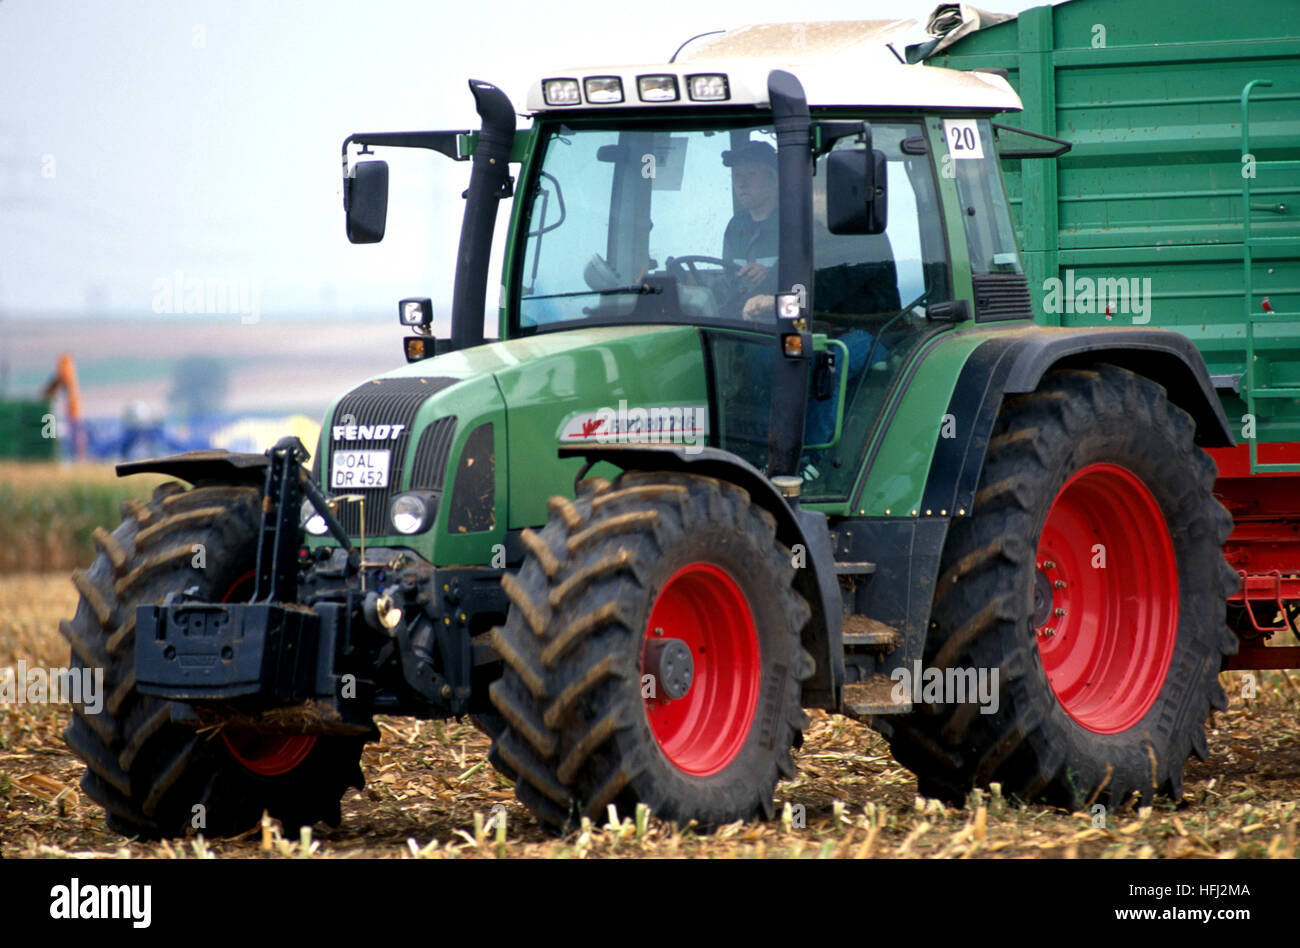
[[139, 138]]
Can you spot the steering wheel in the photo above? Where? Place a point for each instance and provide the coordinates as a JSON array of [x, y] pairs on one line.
[[686, 269], [729, 293]]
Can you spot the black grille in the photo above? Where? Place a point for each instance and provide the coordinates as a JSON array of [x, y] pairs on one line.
[[429, 472], [1001, 296], [380, 402]]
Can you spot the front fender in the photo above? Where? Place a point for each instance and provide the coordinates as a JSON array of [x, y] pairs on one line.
[[198, 466]]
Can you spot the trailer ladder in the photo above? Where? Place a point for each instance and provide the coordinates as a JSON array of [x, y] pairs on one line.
[[1249, 244]]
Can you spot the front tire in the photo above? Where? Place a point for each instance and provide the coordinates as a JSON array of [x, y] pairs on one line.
[[155, 778], [652, 655], [1090, 575]]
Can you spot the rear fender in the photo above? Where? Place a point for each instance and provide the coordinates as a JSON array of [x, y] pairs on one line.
[[1015, 363]]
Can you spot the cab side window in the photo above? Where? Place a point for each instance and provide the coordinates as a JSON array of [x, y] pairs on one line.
[[870, 293]]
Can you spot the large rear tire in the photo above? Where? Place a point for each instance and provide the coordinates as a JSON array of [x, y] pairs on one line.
[[1090, 575], [602, 703], [155, 778]]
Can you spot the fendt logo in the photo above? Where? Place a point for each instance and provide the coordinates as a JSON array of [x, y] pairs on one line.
[[368, 432]]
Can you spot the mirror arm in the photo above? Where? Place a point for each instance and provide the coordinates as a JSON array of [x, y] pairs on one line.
[[828, 133], [445, 143]]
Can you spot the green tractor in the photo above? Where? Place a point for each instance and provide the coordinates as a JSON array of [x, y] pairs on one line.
[[769, 425]]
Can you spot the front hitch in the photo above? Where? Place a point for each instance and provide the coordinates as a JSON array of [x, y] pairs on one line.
[[282, 534], [268, 653]]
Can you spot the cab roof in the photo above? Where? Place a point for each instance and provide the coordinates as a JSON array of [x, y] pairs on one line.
[[839, 63]]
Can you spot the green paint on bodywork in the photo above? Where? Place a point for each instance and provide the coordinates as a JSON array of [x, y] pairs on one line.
[[526, 388], [895, 482], [646, 366], [519, 147]]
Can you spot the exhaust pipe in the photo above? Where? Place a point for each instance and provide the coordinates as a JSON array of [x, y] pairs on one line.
[[488, 184], [793, 125]]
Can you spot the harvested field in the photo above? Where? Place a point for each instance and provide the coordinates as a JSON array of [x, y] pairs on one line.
[[430, 791]]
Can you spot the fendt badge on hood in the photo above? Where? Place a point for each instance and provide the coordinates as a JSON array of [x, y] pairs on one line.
[[368, 432]]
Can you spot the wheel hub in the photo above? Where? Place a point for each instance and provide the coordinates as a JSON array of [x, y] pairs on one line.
[[701, 645], [1042, 598], [669, 663], [1106, 598]]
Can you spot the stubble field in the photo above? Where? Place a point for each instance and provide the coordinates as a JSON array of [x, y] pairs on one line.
[[431, 793]]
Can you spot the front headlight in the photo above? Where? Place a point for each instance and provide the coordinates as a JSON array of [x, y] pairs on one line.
[[409, 513], [312, 521]]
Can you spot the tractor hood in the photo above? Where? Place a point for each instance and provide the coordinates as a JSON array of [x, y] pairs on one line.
[[476, 432]]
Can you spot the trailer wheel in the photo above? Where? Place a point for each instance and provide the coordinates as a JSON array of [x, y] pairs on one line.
[[156, 778], [652, 655], [1090, 575]]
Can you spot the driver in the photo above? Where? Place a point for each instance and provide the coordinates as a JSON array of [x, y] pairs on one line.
[[752, 238]]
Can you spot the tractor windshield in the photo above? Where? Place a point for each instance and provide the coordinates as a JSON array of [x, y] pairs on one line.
[[638, 224], [630, 223]]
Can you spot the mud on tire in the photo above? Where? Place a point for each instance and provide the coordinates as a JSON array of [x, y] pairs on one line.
[[578, 732], [148, 773], [1106, 421]]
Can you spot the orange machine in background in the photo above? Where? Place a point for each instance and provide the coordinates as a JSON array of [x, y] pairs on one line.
[[65, 378]]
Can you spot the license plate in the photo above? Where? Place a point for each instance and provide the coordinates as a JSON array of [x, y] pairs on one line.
[[359, 469]]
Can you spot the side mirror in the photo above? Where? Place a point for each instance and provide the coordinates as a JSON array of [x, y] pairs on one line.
[[856, 200], [365, 201]]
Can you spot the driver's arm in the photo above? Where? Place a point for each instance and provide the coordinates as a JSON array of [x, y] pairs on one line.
[[730, 252]]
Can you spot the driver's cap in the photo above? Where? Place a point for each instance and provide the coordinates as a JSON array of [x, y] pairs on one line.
[[760, 153]]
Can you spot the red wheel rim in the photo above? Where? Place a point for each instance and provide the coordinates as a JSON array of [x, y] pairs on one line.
[[705, 729], [267, 755], [1106, 598]]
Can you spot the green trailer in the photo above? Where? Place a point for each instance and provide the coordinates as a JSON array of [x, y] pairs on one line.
[[1183, 177], [777, 419]]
